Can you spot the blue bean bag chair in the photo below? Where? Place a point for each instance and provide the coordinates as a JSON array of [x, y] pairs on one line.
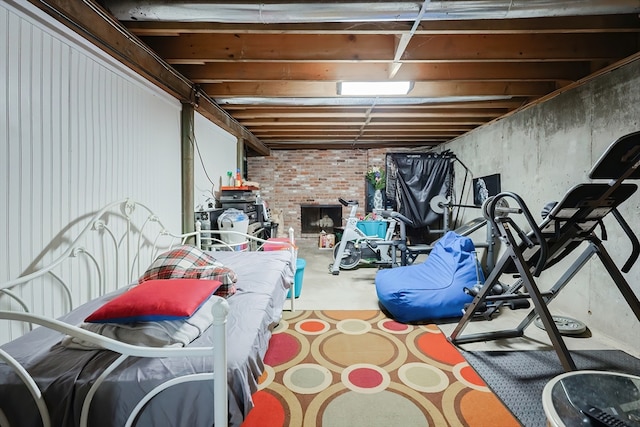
[[433, 289]]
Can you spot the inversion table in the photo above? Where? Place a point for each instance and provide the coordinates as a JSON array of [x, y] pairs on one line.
[[571, 222]]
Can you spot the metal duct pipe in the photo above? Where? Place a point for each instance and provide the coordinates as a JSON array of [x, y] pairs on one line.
[[376, 11], [333, 101]]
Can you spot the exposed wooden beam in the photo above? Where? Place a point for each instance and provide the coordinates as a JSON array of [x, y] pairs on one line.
[[522, 47], [254, 124], [274, 47], [341, 71], [398, 128], [202, 48], [355, 132], [360, 144]]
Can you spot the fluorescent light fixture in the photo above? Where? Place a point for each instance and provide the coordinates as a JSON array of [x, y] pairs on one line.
[[374, 88]]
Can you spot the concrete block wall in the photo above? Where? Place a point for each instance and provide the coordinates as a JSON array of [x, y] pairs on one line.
[[543, 151], [289, 178]]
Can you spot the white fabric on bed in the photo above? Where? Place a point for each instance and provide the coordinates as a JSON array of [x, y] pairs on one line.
[[163, 333]]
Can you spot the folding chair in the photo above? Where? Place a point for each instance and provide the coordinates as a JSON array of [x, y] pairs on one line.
[[572, 221]]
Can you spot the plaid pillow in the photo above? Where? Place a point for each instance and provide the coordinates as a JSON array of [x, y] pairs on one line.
[[189, 262]]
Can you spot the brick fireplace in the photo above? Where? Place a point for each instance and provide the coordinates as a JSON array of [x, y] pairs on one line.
[[316, 217], [292, 178]]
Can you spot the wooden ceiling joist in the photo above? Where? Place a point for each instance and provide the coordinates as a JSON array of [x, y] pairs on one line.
[[275, 85], [424, 71], [203, 48]]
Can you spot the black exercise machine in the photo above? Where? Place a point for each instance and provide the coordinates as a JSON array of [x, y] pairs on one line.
[[570, 222]]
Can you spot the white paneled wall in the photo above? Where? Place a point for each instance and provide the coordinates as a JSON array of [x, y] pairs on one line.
[[77, 131], [215, 154]]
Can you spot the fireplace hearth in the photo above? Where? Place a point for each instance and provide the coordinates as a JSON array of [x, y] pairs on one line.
[[315, 218]]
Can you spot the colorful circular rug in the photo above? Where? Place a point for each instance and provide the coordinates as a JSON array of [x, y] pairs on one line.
[[360, 368]]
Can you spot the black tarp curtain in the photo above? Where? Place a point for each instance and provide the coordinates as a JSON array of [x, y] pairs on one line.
[[413, 179]]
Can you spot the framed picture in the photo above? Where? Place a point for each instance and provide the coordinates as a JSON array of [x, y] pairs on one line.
[[484, 187]]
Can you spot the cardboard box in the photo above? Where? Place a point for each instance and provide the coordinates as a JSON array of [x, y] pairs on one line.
[[326, 240]]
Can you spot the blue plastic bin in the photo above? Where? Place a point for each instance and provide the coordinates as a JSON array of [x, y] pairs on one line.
[[373, 228], [297, 279]]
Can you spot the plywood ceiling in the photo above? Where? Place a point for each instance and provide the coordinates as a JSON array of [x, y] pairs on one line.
[[273, 67]]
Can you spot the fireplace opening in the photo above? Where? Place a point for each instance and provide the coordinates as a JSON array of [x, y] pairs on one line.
[[315, 218]]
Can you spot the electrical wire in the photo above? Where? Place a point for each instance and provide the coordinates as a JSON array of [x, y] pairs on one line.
[[194, 142], [195, 89]]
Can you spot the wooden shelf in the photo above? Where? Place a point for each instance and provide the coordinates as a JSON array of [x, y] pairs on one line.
[[241, 188]]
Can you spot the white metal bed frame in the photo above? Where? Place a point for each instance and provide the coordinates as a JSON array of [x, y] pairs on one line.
[[133, 242], [215, 240]]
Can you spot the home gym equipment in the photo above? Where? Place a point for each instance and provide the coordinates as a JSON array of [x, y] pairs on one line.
[[356, 247], [569, 223], [433, 289], [565, 325], [443, 205], [415, 178]]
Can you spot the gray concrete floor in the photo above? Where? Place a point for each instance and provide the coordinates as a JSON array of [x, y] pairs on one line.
[[355, 290], [321, 290]]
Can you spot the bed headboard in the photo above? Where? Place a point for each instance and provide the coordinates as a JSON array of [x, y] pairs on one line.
[[112, 249]]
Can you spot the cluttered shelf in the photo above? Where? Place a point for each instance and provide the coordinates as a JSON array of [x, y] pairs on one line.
[[238, 208]]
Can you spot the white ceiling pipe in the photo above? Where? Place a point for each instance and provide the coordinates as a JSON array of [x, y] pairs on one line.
[[267, 13], [404, 40], [339, 101]]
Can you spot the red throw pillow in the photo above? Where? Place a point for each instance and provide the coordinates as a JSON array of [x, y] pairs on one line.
[[155, 300]]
